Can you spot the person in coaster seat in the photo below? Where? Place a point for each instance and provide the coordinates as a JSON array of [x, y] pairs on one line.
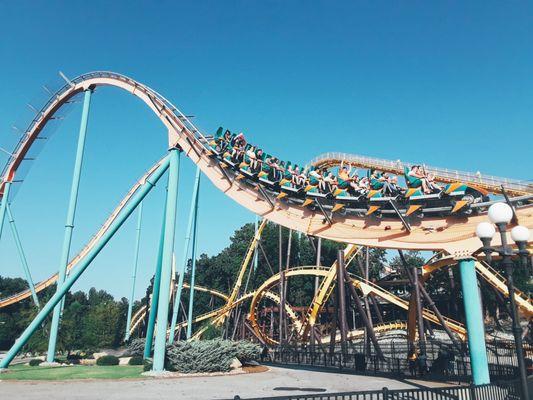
[[377, 181], [331, 182], [259, 161], [316, 178], [298, 178], [238, 143], [364, 185], [251, 158], [432, 185], [348, 180], [395, 187], [390, 185], [272, 168], [416, 177], [222, 142]]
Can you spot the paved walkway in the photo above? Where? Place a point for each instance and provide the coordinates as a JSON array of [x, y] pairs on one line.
[[275, 382]]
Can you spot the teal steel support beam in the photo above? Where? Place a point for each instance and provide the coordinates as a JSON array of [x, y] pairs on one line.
[[3, 205], [194, 246], [166, 268], [134, 274], [85, 262], [256, 254], [474, 322], [22, 256], [69, 225], [183, 265], [155, 291]]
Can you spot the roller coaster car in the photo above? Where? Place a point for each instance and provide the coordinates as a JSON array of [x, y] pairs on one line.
[[458, 195]]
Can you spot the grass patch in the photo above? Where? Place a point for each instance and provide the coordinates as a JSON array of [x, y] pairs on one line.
[[25, 372]]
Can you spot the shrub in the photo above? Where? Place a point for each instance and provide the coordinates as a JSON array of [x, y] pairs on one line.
[[136, 360], [247, 351], [208, 355], [107, 360], [74, 359], [147, 365], [136, 347], [35, 362]]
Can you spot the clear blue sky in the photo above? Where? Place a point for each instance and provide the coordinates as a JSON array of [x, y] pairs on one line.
[[443, 83]]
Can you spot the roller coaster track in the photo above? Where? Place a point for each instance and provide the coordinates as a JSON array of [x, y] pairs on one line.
[[363, 285], [323, 293], [141, 312], [367, 287], [244, 266], [359, 333], [489, 274], [52, 279], [490, 183], [453, 234]]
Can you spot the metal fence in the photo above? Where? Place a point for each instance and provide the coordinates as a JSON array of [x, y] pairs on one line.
[[483, 392], [442, 361]]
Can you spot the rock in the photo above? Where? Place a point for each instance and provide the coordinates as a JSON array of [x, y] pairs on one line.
[[235, 364], [98, 355], [123, 360], [50, 364], [159, 374], [87, 361]]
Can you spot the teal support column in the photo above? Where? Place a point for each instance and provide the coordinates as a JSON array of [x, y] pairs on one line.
[[166, 268], [134, 274], [3, 205], [22, 256], [474, 322], [85, 262], [69, 225], [193, 266], [183, 265], [155, 292], [256, 254]]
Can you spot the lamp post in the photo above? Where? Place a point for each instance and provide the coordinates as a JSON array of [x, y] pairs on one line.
[[500, 214]]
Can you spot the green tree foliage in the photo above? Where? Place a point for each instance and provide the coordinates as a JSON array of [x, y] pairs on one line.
[[90, 321]]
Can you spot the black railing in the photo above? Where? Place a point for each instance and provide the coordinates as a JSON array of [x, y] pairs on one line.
[[483, 392], [441, 362]]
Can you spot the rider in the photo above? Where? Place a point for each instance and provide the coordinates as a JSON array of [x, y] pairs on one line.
[[238, 143], [250, 154], [344, 177], [331, 181], [258, 161], [416, 172]]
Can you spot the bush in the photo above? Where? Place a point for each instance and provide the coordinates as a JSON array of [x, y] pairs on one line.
[[35, 362], [208, 355], [74, 359], [136, 360], [147, 365], [107, 360], [247, 351], [136, 347]]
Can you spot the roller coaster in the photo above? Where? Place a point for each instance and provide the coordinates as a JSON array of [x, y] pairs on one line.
[[442, 219]]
